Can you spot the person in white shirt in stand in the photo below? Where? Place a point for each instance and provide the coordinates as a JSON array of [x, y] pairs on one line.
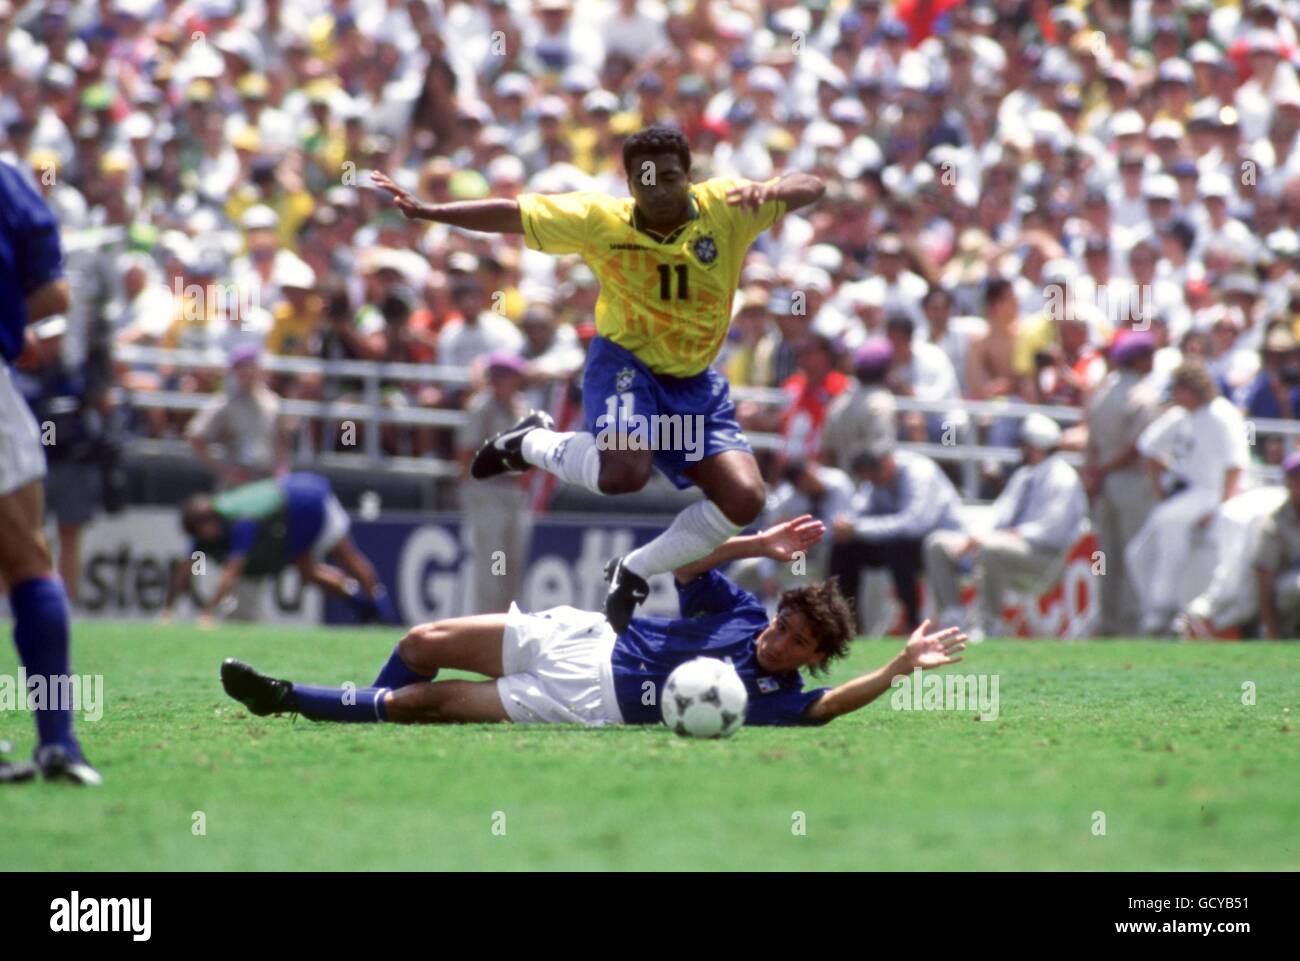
[[479, 330], [1195, 453], [1035, 521]]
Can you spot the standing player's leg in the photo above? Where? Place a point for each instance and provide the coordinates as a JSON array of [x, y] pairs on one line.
[[349, 557], [41, 634], [733, 498], [698, 442]]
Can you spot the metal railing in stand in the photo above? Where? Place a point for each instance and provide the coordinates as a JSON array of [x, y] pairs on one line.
[[371, 410]]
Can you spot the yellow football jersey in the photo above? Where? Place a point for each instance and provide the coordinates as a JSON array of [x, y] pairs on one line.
[[669, 303]]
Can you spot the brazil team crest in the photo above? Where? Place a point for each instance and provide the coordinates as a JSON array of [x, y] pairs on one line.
[[705, 250], [623, 379]]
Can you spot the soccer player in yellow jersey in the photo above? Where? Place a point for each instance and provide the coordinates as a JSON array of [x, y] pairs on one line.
[[668, 259]]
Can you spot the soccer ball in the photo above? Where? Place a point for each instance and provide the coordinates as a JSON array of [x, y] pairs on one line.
[[704, 698]]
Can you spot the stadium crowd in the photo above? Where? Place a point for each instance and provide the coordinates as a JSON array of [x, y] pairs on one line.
[[1085, 205]]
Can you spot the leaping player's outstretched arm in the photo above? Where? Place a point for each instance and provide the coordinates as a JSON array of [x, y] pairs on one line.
[[780, 542], [796, 189], [495, 216], [921, 651]]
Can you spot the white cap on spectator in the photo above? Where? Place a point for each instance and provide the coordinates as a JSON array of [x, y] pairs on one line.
[[552, 107], [1040, 431], [1263, 41], [507, 168], [512, 85], [292, 271], [1214, 183], [1204, 52], [812, 278], [757, 272], [848, 110], [1046, 126], [496, 136], [600, 100], [791, 19], [1059, 271], [826, 257], [1126, 123], [1176, 70], [137, 126], [865, 295], [1166, 130], [822, 134], [765, 78], [259, 217], [1283, 243], [463, 261], [579, 79], [476, 110], [1160, 187], [913, 75]]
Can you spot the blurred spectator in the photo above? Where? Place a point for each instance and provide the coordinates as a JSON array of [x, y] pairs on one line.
[[1277, 560], [1034, 523], [865, 416], [1113, 475], [476, 329], [1195, 454], [246, 424], [905, 498], [806, 487], [952, 335], [922, 370], [811, 390], [496, 510], [774, 356]]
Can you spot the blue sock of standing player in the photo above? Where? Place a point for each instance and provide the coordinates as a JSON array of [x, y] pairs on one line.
[[348, 705], [357, 597], [40, 610], [384, 607]]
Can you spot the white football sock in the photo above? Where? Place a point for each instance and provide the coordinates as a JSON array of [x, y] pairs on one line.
[[572, 456], [693, 534]]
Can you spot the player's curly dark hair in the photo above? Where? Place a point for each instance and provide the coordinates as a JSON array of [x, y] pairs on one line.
[[829, 615], [653, 140]]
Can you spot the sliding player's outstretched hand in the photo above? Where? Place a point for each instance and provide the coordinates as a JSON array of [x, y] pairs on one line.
[[781, 541], [405, 201], [934, 650]]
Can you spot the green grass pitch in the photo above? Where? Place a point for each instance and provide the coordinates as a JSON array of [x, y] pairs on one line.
[[1155, 736]]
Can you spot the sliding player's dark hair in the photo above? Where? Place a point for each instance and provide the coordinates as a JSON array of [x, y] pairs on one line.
[[652, 141], [829, 616]]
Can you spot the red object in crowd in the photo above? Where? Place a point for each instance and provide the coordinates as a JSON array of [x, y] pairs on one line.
[[920, 15], [1239, 53], [801, 424]]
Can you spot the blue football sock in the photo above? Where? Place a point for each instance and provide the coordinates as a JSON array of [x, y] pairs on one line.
[[331, 703], [385, 608], [357, 597], [40, 610], [396, 674]]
